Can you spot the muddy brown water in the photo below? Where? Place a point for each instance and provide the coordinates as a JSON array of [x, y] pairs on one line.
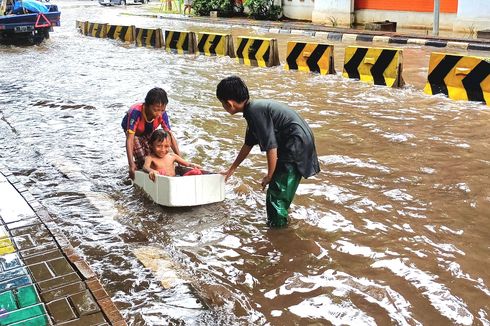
[[394, 230]]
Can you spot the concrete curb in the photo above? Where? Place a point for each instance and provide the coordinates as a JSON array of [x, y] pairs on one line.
[[66, 288], [335, 34]]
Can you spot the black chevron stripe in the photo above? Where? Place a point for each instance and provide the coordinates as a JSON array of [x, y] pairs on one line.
[[254, 48], [174, 40], [185, 44], [202, 42], [241, 46], [351, 67], [100, 29], [436, 77], [315, 57], [293, 56], [153, 38], [111, 32], [122, 32], [380, 66], [472, 82], [214, 44], [266, 56]]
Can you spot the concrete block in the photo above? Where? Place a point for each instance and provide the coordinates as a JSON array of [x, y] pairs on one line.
[[61, 310], [63, 291], [84, 303]]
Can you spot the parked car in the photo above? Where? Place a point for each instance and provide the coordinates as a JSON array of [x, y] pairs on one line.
[[121, 2]]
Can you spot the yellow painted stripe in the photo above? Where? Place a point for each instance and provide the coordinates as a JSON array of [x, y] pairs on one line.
[[454, 79], [266, 44], [246, 49]]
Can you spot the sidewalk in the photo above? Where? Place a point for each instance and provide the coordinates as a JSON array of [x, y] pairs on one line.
[[42, 280], [333, 33]]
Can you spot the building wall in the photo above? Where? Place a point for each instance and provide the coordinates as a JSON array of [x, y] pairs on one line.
[[419, 20], [447, 6], [457, 15], [334, 12], [298, 9], [472, 15]]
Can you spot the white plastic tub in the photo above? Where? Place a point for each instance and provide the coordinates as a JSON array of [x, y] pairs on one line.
[[177, 191]]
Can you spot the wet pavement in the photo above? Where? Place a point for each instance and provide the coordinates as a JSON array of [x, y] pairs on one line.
[[391, 231], [42, 279]]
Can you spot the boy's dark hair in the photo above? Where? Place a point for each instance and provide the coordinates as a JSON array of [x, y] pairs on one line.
[[158, 135], [156, 95], [232, 88]]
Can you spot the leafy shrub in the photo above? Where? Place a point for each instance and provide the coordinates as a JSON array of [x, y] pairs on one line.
[[263, 9], [203, 7]]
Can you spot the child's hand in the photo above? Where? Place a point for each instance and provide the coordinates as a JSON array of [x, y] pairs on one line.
[[197, 166], [265, 181], [152, 175]]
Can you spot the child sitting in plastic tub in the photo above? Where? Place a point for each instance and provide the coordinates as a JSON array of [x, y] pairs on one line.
[[160, 161]]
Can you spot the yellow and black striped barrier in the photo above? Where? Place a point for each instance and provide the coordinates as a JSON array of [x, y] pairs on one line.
[[215, 44], [121, 33], [254, 51], [81, 27], [459, 77], [96, 30], [374, 65], [314, 57], [180, 42], [149, 37]]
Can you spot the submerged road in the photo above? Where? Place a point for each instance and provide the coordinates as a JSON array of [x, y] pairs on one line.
[[394, 230]]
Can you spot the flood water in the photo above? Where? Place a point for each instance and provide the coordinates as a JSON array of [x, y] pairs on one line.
[[393, 230]]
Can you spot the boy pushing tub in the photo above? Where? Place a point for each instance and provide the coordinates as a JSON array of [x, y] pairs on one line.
[[280, 132]]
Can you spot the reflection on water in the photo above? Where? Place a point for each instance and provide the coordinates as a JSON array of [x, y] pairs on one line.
[[392, 231]]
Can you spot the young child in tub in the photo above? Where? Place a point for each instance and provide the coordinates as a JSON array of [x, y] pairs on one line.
[[161, 161]]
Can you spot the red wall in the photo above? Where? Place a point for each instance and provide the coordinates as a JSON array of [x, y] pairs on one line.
[[449, 6]]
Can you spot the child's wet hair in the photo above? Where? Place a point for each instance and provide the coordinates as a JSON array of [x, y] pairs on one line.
[[156, 95], [232, 88], [158, 135]]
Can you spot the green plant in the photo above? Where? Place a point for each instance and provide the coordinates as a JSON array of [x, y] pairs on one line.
[[203, 7], [333, 21], [263, 9], [471, 31]]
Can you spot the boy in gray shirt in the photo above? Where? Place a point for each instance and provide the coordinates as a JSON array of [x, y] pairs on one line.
[[283, 135]]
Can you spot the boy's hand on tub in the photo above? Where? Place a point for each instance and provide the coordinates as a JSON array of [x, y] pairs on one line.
[[152, 175]]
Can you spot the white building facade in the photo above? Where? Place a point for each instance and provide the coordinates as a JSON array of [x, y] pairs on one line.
[[456, 15]]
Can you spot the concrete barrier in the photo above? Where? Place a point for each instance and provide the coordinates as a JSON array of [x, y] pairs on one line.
[[377, 66], [121, 33], [96, 30], [312, 57], [149, 37], [254, 51], [459, 77], [215, 44], [182, 42]]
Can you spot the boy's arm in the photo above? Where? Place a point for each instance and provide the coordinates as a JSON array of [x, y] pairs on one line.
[[129, 153], [183, 162], [147, 168], [271, 167], [244, 151], [173, 143]]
